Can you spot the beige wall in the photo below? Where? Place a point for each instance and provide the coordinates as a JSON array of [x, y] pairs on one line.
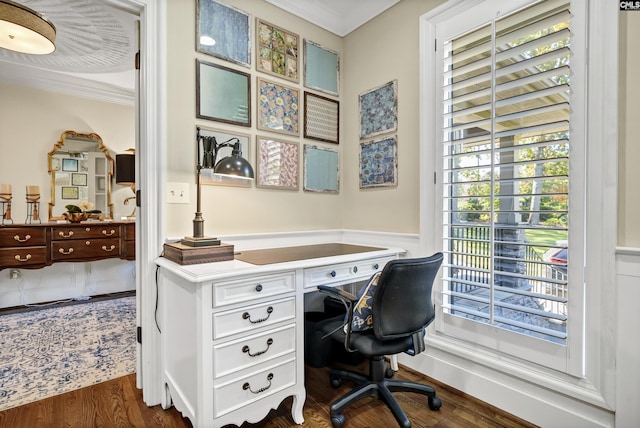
[[629, 128], [229, 210], [31, 121], [382, 50]]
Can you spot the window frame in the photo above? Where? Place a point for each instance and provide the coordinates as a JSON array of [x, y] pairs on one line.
[[595, 302]]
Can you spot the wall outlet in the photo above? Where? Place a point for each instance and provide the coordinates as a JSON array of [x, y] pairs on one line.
[[178, 193], [14, 274]]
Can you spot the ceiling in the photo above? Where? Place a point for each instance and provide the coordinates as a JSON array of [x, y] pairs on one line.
[[96, 43]]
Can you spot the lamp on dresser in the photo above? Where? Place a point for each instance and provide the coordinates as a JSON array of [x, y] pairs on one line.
[[199, 248], [126, 175]]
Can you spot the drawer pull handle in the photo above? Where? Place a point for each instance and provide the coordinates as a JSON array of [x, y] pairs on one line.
[[246, 315], [333, 274], [104, 248], [263, 389], [26, 258], [247, 350], [62, 251], [355, 269], [105, 233], [259, 288], [62, 234], [376, 266], [26, 238]]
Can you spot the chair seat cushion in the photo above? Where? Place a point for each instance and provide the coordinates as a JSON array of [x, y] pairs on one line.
[[365, 341]]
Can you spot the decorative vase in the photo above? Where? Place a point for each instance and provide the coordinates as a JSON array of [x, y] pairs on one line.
[[75, 217]]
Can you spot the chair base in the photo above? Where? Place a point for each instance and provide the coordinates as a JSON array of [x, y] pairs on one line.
[[377, 385]]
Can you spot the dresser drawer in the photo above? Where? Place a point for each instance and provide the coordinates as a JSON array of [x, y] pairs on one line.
[[85, 249], [22, 237], [344, 273], [255, 287], [27, 256], [247, 389], [61, 233], [230, 357], [247, 318]]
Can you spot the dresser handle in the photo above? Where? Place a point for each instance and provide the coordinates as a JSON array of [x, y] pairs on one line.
[[246, 315], [66, 236], [355, 269], [247, 350], [263, 389], [105, 233], [259, 288], [62, 251], [26, 238], [26, 258], [333, 274], [376, 266], [104, 248]]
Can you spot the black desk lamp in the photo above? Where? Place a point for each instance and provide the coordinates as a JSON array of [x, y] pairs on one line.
[[126, 175], [234, 165]]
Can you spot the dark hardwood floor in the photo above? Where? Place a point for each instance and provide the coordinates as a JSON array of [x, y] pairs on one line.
[[118, 403]]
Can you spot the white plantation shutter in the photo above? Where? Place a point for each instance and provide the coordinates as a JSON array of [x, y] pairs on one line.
[[506, 133]]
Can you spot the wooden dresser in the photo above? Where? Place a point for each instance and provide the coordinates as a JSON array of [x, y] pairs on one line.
[[33, 246]]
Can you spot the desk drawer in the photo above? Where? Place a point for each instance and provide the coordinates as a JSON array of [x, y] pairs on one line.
[[22, 237], [255, 287], [236, 355], [249, 318], [252, 387], [344, 273]]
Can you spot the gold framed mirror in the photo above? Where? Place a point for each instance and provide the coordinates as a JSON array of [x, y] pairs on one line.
[[81, 169]]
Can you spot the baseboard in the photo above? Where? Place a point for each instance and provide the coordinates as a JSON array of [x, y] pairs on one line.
[[65, 302]]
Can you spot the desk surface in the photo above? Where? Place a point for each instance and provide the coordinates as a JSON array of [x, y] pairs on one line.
[[303, 252]]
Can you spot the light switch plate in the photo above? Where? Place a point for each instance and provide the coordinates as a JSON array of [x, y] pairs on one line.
[[178, 193]]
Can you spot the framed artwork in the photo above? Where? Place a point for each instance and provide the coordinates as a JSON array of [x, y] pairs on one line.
[[379, 163], [222, 94], [224, 32], [62, 179], [321, 68], [379, 110], [207, 176], [277, 51], [321, 170], [277, 163], [278, 108], [78, 179], [70, 165], [321, 118], [70, 193]]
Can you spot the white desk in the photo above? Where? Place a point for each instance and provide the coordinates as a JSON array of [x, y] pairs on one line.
[[232, 333]]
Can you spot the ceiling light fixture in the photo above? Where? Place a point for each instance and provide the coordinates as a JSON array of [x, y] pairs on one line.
[[25, 30]]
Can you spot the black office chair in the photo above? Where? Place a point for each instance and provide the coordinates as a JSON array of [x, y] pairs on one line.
[[401, 309]]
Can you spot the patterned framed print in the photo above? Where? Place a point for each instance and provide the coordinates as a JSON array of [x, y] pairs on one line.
[[277, 163], [321, 170], [379, 110], [321, 118], [379, 163], [277, 51], [78, 179], [223, 32], [278, 108]]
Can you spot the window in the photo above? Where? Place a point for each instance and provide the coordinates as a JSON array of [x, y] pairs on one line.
[[511, 199]]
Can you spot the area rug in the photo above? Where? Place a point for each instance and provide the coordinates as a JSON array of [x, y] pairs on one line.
[[51, 351]]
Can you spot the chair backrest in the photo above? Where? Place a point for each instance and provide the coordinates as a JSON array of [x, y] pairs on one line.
[[402, 302]]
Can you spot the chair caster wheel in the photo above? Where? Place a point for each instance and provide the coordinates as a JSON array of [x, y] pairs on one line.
[[388, 373], [337, 420], [434, 403], [336, 382]]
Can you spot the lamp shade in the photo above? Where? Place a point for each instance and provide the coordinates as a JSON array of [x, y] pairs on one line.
[[126, 169], [235, 165], [25, 30]]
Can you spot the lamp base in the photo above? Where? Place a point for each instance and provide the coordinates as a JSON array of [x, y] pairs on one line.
[[205, 241], [186, 255]]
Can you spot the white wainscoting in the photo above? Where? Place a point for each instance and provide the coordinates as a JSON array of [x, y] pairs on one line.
[[63, 281]]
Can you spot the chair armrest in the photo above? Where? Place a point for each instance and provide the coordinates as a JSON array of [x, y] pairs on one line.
[[349, 300], [338, 293]]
